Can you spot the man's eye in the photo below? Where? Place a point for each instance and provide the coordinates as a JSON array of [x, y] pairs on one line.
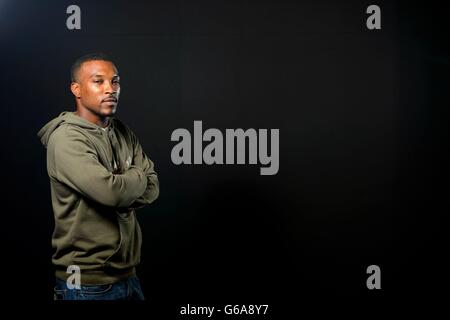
[[97, 81]]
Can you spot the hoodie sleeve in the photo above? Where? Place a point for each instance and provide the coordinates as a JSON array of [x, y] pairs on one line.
[[141, 160], [73, 161]]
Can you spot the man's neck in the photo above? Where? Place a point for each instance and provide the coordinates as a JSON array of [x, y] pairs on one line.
[[91, 117]]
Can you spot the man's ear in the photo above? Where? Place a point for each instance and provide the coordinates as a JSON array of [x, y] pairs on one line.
[[75, 88]]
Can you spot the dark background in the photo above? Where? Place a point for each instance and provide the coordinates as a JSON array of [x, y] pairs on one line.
[[363, 144]]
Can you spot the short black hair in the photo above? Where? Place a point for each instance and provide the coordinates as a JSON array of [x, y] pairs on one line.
[[88, 57]]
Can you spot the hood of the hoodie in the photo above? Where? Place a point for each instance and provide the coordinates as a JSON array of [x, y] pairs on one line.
[[68, 117]]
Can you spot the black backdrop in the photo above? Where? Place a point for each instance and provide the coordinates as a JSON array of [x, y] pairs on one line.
[[363, 144]]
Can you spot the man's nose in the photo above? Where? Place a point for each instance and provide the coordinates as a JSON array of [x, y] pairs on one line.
[[109, 88]]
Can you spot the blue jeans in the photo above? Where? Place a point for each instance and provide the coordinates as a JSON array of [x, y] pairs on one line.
[[129, 289]]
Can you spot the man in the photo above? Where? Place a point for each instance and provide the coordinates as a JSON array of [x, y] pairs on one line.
[[99, 175]]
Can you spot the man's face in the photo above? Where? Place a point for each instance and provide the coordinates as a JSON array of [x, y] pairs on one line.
[[97, 87]]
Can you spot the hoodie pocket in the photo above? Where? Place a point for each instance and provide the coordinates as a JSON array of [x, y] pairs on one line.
[[127, 253], [106, 262]]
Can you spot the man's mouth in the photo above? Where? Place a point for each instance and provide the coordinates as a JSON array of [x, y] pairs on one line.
[[110, 100]]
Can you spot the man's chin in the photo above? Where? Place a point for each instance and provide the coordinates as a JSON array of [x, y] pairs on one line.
[[108, 112]]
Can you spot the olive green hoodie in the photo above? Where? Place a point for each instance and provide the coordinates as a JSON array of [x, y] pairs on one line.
[[98, 178]]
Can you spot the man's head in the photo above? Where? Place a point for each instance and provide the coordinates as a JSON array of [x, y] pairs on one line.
[[95, 85]]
